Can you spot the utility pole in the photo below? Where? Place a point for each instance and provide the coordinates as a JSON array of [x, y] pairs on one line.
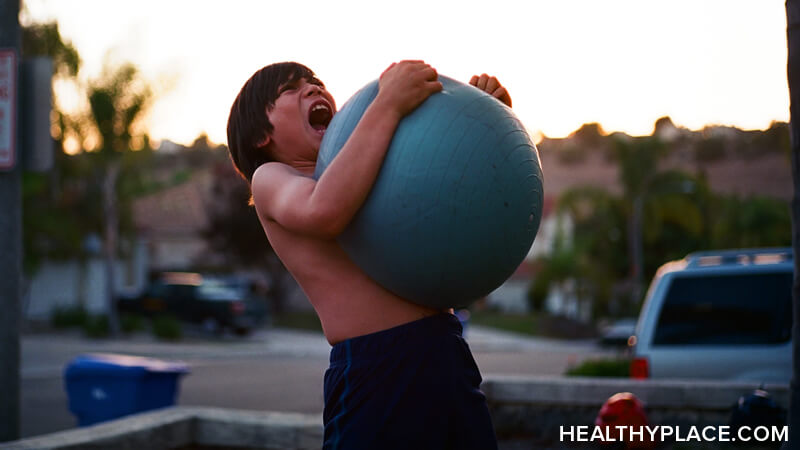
[[10, 222], [793, 74]]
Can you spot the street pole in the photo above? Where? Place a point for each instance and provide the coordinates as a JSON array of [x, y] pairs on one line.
[[793, 75], [10, 247]]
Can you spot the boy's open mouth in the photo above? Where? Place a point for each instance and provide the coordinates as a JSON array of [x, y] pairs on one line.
[[320, 115]]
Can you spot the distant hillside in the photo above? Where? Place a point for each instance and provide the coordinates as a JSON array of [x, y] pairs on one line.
[[734, 161]]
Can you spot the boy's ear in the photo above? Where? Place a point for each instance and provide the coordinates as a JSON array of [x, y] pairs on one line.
[[263, 142]]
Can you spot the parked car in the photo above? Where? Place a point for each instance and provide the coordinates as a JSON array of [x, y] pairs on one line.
[[618, 333], [724, 315], [216, 302]]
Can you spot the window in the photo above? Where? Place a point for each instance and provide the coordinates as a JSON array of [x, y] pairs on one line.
[[727, 310], [217, 290]]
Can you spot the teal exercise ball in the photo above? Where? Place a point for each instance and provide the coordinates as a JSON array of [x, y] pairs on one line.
[[457, 201]]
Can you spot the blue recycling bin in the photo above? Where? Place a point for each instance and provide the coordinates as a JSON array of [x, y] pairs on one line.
[[103, 387]]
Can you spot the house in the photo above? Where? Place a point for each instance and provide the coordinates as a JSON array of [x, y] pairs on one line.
[[512, 296]]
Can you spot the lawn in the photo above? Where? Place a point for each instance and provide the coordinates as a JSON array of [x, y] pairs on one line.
[[530, 324], [534, 324], [517, 323]]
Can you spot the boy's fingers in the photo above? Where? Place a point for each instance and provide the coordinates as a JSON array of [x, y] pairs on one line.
[[430, 74], [502, 94], [474, 80], [499, 92], [482, 82], [492, 84], [434, 86]]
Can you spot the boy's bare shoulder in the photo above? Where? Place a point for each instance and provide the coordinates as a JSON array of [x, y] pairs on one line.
[[281, 193], [270, 175], [266, 180], [265, 172]]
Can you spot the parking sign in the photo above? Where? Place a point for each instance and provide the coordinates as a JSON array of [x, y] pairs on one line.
[[8, 107]]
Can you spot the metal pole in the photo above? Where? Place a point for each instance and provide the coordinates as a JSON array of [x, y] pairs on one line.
[[10, 253], [793, 75]]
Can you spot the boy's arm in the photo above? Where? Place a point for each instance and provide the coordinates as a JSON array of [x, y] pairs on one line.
[[324, 207], [491, 86]]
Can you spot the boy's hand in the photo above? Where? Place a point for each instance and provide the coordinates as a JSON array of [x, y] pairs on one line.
[[405, 85], [491, 86]]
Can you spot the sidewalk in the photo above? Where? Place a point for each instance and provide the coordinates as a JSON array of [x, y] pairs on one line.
[[43, 355]]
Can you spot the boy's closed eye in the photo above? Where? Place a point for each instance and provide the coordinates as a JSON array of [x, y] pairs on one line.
[[288, 87], [293, 85]]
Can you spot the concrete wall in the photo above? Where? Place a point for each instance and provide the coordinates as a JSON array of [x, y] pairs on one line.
[[536, 407], [70, 283], [188, 428], [526, 411]]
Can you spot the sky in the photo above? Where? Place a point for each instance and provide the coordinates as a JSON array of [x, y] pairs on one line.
[[622, 63]]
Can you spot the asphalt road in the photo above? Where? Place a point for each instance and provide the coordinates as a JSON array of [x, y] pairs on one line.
[[273, 369]]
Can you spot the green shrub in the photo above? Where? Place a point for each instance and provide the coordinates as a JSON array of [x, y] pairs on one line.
[[68, 316], [167, 328], [617, 367], [131, 323], [96, 326], [516, 323], [537, 292]]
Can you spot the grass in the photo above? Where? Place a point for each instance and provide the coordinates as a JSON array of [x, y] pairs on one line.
[[167, 328], [517, 323], [534, 324], [618, 367], [302, 320], [69, 317], [530, 324]]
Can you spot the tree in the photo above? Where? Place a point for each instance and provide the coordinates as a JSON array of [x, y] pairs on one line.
[[117, 100], [638, 165], [599, 223], [51, 230], [235, 232]]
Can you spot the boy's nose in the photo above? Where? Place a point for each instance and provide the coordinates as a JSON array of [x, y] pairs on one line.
[[313, 89]]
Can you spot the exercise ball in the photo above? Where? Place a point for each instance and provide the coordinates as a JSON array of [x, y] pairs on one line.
[[457, 201]]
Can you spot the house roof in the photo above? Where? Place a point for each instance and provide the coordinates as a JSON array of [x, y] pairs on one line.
[[178, 210]]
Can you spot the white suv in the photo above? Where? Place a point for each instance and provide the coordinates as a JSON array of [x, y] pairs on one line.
[[724, 315]]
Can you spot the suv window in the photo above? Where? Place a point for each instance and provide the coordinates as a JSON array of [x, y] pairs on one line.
[[726, 310], [216, 290]]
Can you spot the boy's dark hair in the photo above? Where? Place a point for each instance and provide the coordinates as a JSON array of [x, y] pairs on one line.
[[248, 124]]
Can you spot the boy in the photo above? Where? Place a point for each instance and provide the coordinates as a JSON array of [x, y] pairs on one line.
[[401, 376]]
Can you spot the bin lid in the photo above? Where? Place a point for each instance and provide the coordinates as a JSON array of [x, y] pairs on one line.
[[121, 365]]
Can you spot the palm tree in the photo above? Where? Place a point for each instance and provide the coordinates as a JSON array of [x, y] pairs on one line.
[[638, 166], [117, 99]]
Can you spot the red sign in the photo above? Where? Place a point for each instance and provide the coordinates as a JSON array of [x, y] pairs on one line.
[[8, 108]]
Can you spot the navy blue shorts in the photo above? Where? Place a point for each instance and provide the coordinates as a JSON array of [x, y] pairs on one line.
[[415, 386]]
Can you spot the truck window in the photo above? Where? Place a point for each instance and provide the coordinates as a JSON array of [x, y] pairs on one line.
[[726, 310]]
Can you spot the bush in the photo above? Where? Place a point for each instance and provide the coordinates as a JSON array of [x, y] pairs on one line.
[[537, 292], [69, 316], [131, 323], [96, 326], [167, 328], [515, 323], [618, 367]]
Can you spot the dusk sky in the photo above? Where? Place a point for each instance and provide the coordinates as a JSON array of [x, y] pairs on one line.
[[621, 63]]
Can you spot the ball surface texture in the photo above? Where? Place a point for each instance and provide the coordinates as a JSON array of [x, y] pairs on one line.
[[457, 202]]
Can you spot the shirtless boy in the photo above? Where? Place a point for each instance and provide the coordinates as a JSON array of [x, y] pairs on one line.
[[401, 376]]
